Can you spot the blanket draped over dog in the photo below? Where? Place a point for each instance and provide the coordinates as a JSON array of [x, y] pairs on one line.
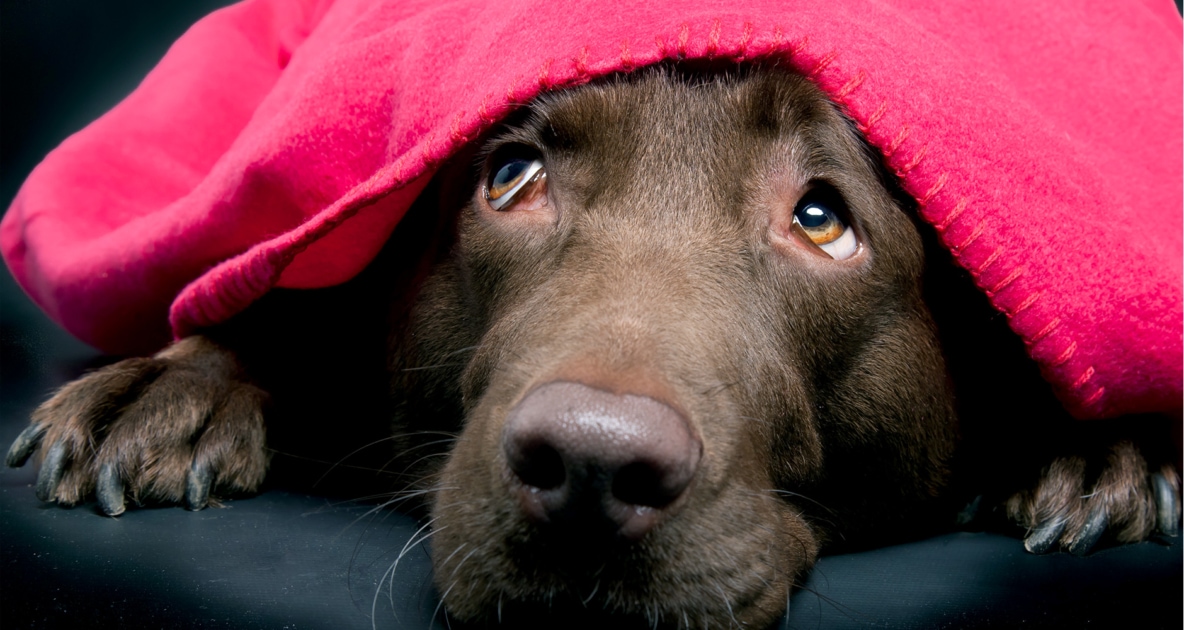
[[278, 143]]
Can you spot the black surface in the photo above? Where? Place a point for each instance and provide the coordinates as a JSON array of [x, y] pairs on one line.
[[299, 560]]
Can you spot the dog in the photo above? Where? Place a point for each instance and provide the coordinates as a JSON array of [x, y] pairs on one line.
[[675, 333]]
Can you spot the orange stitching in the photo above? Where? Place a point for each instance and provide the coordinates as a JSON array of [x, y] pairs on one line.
[[878, 114], [745, 37], [1028, 301], [901, 136], [959, 208], [1066, 355], [989, 261], [626, 56], [713, 38], [850, 86], [777, 36], [794, 49], [544, 79], [823, 63], [1094, 397], [483, 111], [915, 161], [1084, 378], [1006, 281], [581, 62], [1044, 332], [935, 188], [970, 239], [660, 42], [510, 93], [684, 34]]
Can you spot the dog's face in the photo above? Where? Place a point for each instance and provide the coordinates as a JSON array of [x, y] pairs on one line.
[[683, 317]]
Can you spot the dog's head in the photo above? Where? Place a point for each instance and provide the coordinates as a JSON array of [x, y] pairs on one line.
[[683, 321]]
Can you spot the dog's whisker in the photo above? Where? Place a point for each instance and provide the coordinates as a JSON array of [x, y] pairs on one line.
[[444, 596], [332, 464], [728, 605], [409, 495], [407, 469], [796, 495], [410, 434], [463, 350], [448, 440], [438, 366], [595, 588], [382, 508], [416, 539], [440, 605], [463, 560], [388, 498]]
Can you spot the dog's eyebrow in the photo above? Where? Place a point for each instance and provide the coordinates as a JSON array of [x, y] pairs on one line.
[[568, 121], [559, 130], [559, 136], [545, 124]]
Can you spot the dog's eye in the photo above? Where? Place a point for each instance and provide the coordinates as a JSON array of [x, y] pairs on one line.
[[509, 177], [817, 219]]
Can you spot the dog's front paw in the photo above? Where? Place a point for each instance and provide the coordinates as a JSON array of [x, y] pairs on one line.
[[1077, 506], [164, 429]]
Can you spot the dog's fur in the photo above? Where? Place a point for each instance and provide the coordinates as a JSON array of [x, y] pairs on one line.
[[653, 264]]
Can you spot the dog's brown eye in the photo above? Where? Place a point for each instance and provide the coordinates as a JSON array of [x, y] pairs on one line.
[[510, 177], [816, 219]]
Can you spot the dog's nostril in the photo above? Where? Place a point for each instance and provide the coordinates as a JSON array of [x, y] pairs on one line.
[[640, 483], [538, 465], [586, 456]]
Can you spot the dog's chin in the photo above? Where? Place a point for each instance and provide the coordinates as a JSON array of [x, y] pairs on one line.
[[697, 570]]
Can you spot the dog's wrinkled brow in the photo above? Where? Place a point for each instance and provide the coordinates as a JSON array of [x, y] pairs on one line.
[[783, 126]]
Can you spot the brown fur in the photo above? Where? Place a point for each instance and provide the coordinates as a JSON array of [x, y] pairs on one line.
[[152, 420], [656, 265]]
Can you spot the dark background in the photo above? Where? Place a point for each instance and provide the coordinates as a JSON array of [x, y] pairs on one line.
[[296, 560]]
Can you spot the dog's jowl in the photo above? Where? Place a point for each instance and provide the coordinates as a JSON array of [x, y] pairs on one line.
[[675, 329]]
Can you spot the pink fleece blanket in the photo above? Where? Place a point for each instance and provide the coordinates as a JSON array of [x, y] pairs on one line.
[[280, 141]]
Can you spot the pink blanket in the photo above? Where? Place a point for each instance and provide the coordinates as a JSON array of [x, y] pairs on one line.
[[280, 141]]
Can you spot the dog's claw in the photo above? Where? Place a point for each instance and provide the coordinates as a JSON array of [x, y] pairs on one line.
[[197, 487], [51, 472], [24, 445], [1091, 532], [1167, 508], [1044, 536], [109, 490]]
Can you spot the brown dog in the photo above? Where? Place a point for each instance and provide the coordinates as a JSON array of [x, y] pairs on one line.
[[669, 340]]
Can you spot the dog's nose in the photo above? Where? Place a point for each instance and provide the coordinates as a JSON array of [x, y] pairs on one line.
[[589, 459]]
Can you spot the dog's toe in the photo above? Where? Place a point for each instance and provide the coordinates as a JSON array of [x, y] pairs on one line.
[[52, 469], [24, 445], [197, 486], [1076, 505], [1087, 536], [167, 429], [1042, 538], [109, 490], [1167, 503]]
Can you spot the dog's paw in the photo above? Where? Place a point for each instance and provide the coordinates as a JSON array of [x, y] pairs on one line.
[[1076, 507], [163, 429]]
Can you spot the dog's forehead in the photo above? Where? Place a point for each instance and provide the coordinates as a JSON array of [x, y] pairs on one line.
[[662, 120]]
